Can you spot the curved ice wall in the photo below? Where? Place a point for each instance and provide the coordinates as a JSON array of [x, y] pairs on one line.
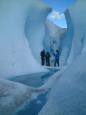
[[35, 27], [68, 95], [15, 51], [66, 42], [74, 42], [79, 21]]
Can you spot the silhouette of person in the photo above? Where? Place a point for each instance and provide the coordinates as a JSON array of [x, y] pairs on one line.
[[42, 54], [56, 55], [47, 59]]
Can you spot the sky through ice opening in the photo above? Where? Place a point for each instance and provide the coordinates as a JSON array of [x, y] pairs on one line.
[[59, 7], [57, 18]]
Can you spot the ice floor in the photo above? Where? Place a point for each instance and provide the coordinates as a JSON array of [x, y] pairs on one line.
[[34, 106], [35, 79]]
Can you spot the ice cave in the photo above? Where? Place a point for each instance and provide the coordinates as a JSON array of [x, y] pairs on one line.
[[26, 87]]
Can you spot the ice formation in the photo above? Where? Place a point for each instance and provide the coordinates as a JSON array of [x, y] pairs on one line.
[[14, 95], [67, 96], [18, 42], [53, 36], [15, 48], [22, 35]]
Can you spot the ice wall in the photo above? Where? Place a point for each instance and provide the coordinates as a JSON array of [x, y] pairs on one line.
[[35, 27], [73, 43], [79, 21], [67, 96], [66, 43], [54, 36], [15, 46]]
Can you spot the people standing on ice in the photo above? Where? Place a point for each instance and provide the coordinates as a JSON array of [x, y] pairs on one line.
[[47, 56], [42, 54], [56, 56]]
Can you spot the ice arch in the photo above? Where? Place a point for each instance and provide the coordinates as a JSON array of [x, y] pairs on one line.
[[15, 51]]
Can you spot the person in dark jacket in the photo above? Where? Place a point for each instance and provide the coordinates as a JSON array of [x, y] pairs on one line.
[[56, 55], [42, 54], [47, 59]]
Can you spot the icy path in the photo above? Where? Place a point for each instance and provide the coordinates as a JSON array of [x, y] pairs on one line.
[[35, 79], [34, 106]]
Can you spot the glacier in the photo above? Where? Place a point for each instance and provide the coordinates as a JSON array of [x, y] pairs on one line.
[[23, 33], [54, 35], [13, 96], [67, 96], [16, 57], [15, 46]]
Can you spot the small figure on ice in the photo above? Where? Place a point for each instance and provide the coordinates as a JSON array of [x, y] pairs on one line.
[[56, 56], [47, 56], [42, 54]]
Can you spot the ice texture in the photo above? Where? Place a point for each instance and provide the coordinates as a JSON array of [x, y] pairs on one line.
[[54, 36], [17, 43], [17, 46], [67, 95]]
